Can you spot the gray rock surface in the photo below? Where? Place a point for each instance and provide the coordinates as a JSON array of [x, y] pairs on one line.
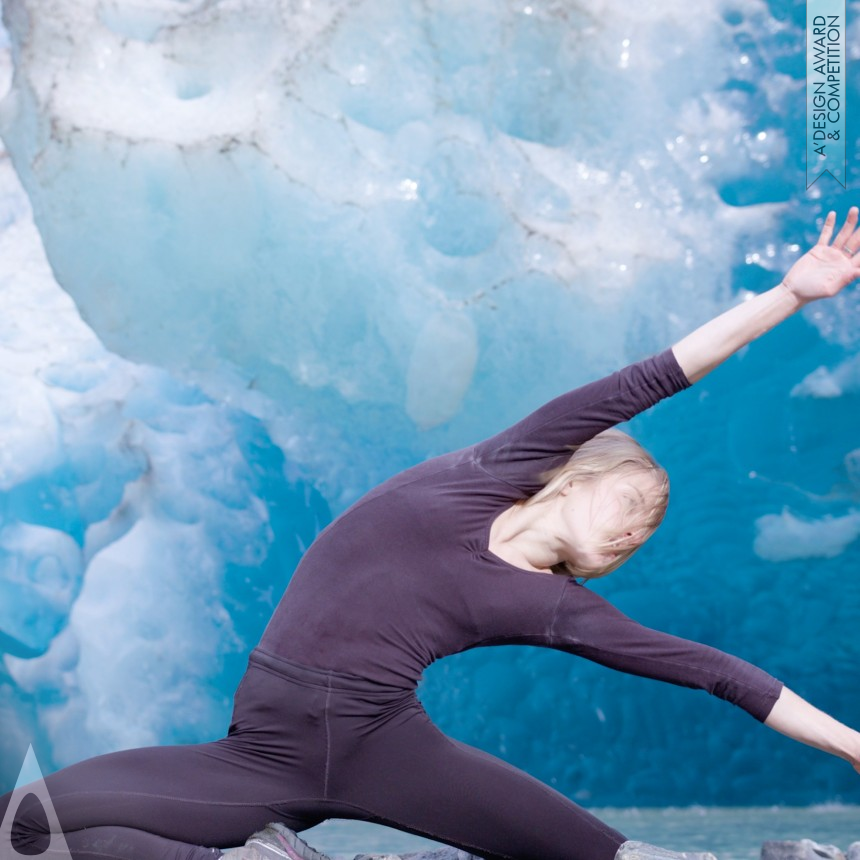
[[805, 849], [632, 850], [853, 852], [435, 854]]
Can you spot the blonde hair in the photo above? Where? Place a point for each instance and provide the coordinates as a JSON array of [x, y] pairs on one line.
[[611, 453]]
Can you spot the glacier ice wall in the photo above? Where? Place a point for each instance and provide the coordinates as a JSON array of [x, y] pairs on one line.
[[374, 231], [415, 183], [139, 522]]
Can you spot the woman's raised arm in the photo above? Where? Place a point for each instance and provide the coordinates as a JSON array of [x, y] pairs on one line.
[[820, 273]]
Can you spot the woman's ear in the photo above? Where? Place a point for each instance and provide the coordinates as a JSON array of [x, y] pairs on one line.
[[566, 487]]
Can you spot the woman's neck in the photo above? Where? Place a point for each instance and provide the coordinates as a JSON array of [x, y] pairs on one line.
[[522, 536]]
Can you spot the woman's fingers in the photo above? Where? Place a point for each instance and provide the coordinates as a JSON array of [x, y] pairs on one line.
[[852, 243], [847, 229], [827, 229]]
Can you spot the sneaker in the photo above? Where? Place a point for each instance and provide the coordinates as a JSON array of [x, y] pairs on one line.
[[278, 842], [643, 851], [243, 852]]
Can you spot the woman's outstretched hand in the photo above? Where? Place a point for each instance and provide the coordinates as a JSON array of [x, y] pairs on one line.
[[827, 267], [821, 272]]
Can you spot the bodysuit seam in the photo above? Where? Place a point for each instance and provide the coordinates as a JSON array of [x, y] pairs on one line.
[[476, 460], [192, 800], [509, 640], [327, 740], [555, 613]]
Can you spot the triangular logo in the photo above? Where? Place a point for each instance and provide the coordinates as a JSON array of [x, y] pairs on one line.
[[31, 781]]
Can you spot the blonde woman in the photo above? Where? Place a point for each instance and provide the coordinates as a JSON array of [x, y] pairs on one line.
[[481, 547]]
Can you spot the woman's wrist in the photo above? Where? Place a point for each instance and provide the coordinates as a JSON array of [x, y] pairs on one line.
[[795, 302], [798, 719], [850, 747], [712, 343]]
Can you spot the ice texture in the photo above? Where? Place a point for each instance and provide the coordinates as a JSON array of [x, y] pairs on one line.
[[140, 522], [418, 184], [784, 536], [320, 242], [831, 382]]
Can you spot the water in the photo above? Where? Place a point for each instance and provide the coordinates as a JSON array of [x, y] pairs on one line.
[[732, 833]]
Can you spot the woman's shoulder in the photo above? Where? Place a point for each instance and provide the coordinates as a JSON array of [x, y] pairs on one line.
[[457, 473], [449, 484]]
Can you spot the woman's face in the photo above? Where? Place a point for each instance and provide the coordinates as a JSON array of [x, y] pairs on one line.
[[602, 518]]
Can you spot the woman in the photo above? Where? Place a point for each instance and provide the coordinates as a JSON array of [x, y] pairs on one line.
[[455, 553]]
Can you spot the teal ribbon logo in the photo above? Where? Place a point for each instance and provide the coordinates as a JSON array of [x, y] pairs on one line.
[[825, 90]]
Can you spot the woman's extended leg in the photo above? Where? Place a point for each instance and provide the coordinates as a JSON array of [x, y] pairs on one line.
[[164, 803], [408, 774], [159, 803]]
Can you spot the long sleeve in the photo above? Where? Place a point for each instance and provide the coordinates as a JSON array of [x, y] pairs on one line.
[[541, 441], [587, 625]]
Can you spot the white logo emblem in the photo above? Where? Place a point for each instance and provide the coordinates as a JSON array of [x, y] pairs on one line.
[[31, 781]]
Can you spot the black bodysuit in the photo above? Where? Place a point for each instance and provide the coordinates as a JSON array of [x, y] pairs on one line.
[[326, 722]]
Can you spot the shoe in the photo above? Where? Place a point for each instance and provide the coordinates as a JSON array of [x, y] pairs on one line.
[[643, 851], [243, 852], [274, 842]]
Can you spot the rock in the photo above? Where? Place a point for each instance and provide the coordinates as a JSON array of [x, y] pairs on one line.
[[435, 854], [631, 850], [377, 857], [805, 849], [853, 852]]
